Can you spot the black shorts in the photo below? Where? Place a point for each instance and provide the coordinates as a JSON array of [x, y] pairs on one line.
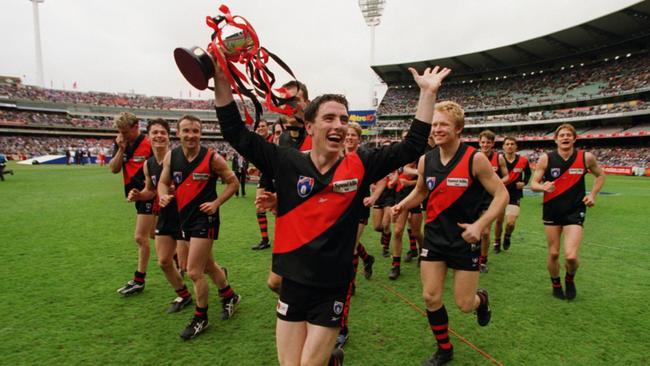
[[386, 199], [399, 196], [463, 256], [266, 183], [144, 207], [168, 223], [365, 215], [201, 226], [571, 217], [315, 305]]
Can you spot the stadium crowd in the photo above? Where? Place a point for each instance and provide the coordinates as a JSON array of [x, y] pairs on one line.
[[598, 79]]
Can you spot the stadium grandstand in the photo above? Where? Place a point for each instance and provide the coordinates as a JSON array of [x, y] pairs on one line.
[[595, 76]]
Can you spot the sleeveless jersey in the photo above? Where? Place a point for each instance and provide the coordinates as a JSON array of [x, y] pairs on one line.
[[194, 181], [453, 196], [135, 155], [569, 178], [515, 169]]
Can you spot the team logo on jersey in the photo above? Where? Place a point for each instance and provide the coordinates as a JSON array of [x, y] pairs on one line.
[[200, 176], [282, 308], [305, 185], [517, 170], [555, 172], [154, 180], [178, 177], [457, 182], [139, 158], [578, 171], [338, 307], [431, 183], [345, 186]]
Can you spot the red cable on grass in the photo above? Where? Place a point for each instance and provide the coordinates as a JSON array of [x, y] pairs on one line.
[[462, 339]]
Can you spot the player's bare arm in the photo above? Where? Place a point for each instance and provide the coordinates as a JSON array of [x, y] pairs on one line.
[[164, 190], [220, 168], [503, 169], [416, 196], [115, 165], [482, 170], [429, 83], [377, 190], [594, 168], [536, 185], [148, 193]]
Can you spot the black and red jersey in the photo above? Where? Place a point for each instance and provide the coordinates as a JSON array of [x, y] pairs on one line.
[[134, 157], [318, 214], [453, 196], [494, 162], [195, 184], [518, 171], [155, 170], [569, 178], [301, 143]]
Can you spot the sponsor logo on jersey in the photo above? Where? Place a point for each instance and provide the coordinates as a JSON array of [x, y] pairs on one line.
[[431, 183], [345, 186], [457, 182], [139, 158], [178, 177], [578, 171], [282, 308], [338, 307], [555, 172], [517, 170], [200, 176], [305, 185]]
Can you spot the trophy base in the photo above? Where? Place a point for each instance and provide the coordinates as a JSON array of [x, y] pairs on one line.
[[196, 66]]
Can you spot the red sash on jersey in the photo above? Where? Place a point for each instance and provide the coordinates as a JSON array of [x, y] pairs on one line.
[[568, 179], [401, 185], [319, 212], [190, 187], [132, 167], [306, 144], [494, 161], [444, 195], [513, 176]]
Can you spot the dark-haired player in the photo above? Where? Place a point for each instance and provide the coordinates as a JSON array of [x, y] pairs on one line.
[[561, 176]]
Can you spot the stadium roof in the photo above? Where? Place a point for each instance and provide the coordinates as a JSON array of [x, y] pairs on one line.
[[626, 30]]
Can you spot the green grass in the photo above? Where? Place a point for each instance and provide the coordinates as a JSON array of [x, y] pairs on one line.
[[66, 246]]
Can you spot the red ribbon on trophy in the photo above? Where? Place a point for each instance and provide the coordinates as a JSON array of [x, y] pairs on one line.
[[243, 47]]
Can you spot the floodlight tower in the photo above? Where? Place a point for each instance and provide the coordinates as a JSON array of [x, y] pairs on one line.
[[37, 43], [372, 11]]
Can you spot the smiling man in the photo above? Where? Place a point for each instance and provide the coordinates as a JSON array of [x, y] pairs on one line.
[[561, 176], [320, 201]]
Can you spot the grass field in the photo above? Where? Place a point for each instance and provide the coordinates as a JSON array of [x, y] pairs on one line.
[[66, 247]]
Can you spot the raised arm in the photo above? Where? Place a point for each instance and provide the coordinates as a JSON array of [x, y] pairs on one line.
[[594, 168]]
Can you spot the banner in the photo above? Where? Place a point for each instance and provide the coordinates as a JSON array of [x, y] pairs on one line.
[[618, 170], [364, 118]]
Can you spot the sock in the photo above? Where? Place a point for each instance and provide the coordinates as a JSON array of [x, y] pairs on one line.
[[138, 277], [385, 239], [226, 292], [201, 313], [568, 278], [439, 323], [412, 245], [397, 261], [355, 263], [556, 282], [361, 252], [183, 292], [263, 223], [482, 259]]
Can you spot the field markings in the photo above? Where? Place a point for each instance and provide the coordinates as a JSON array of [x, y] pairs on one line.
[[456, 334]]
